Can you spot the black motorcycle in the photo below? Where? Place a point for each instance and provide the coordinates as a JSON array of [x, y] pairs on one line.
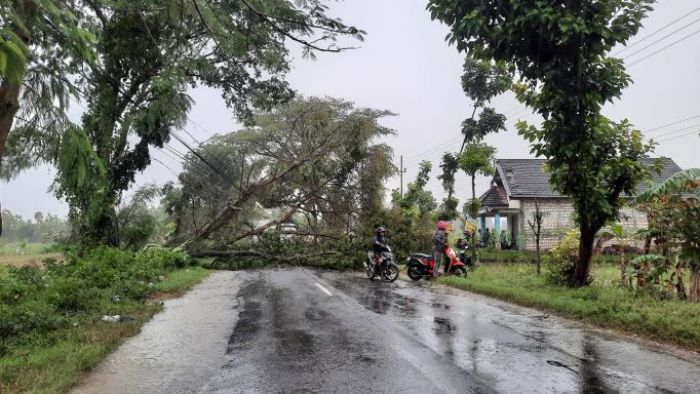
[[463, 253], [386, 268]]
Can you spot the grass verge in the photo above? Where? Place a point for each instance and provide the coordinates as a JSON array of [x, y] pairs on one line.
[[53, 362], [603, 303]]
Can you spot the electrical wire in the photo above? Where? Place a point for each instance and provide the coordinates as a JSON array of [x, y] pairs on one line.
[[656, 31], [664, 48], [661, 39]]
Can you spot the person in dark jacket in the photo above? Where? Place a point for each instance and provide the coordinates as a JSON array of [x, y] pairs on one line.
[[379, 244], [439, 244]]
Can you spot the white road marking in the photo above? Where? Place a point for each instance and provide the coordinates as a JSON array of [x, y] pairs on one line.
[[324, 289]]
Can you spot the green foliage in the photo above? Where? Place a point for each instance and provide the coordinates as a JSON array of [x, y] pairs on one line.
[[38, 301], [417, 202], [674, 210], [477, 158], [482, 81], [51, 334], [70, 294], [82, 181], [560, 52], [136, 91], [559, 262], [273, 250], [138, 220], [312, 161], [31, 31], [13, 57], [449, 166], [603, 303]]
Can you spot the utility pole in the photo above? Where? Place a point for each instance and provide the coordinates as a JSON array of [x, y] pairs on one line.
[[401, 172]]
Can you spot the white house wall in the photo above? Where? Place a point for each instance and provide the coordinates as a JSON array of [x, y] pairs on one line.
[[559, 218]]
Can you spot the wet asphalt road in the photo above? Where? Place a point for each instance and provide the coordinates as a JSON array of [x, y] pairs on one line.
[[304, 331]]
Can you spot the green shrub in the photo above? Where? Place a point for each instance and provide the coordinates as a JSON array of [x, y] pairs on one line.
[[135, 232], [35, 300], [28, 317], [12, 290], [165, 258], [72, 295], [560, 261]]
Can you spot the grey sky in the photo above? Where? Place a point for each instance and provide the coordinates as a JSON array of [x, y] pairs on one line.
[[406, 66]]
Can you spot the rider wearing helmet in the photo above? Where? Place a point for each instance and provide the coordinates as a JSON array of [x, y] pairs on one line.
[[439, 244], [379, 243]]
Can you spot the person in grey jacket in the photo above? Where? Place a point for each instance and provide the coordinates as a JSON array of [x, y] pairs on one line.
[[439, 244]]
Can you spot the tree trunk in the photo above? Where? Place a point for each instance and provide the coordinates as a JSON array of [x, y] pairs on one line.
[[474, 215], [585, 252], [623, 262], [9, 90], [539, 255], [680, 286], [9, 105], [694, 293], [97, 224]]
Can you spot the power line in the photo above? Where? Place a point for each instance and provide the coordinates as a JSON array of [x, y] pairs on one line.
[[661, 39], [519, 113], [169, 155], [694, 132], [166, 166], [677, 131], [430, 151], [664, 48], [193, 138], [671, 124], [179, 156], [656, 31], [205, 161]]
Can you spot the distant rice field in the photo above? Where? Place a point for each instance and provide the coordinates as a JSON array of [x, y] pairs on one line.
[[24, 254]]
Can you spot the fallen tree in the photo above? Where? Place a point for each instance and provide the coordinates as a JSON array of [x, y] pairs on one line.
[[311, 163]]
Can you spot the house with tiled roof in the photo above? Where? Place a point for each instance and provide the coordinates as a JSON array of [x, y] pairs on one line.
[[519, 183]]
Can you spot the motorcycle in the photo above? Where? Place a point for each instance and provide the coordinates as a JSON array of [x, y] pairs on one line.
[[421, 265], [386, 268]]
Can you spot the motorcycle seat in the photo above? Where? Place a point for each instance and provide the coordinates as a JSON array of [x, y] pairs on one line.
[[420, 255]]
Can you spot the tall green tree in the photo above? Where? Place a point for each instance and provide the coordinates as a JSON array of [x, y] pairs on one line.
[[34, 83], [135, 92], [481, 82], [560, 51], [449, 166], [477, 159]]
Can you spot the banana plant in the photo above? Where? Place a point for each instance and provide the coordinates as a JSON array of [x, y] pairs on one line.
[[678, 200]]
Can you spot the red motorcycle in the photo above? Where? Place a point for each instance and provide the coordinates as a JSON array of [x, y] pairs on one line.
[[421, 265]]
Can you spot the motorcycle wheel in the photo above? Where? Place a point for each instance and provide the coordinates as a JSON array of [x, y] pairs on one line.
[[460, 271], [414, 272], [370, 270], [390, 272]]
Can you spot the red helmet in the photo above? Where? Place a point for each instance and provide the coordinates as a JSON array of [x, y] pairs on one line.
[[442, 225]]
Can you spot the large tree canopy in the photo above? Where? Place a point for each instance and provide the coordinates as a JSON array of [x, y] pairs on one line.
[[313, 161], [559, 49], [149, 53]]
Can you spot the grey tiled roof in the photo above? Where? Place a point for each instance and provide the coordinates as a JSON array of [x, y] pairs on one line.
[[496, 196], [527, 178]]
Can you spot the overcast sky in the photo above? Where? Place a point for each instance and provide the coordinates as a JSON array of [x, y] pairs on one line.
[[406, 66]]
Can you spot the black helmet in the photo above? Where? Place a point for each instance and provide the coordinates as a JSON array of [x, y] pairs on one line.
[[381, 229]]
